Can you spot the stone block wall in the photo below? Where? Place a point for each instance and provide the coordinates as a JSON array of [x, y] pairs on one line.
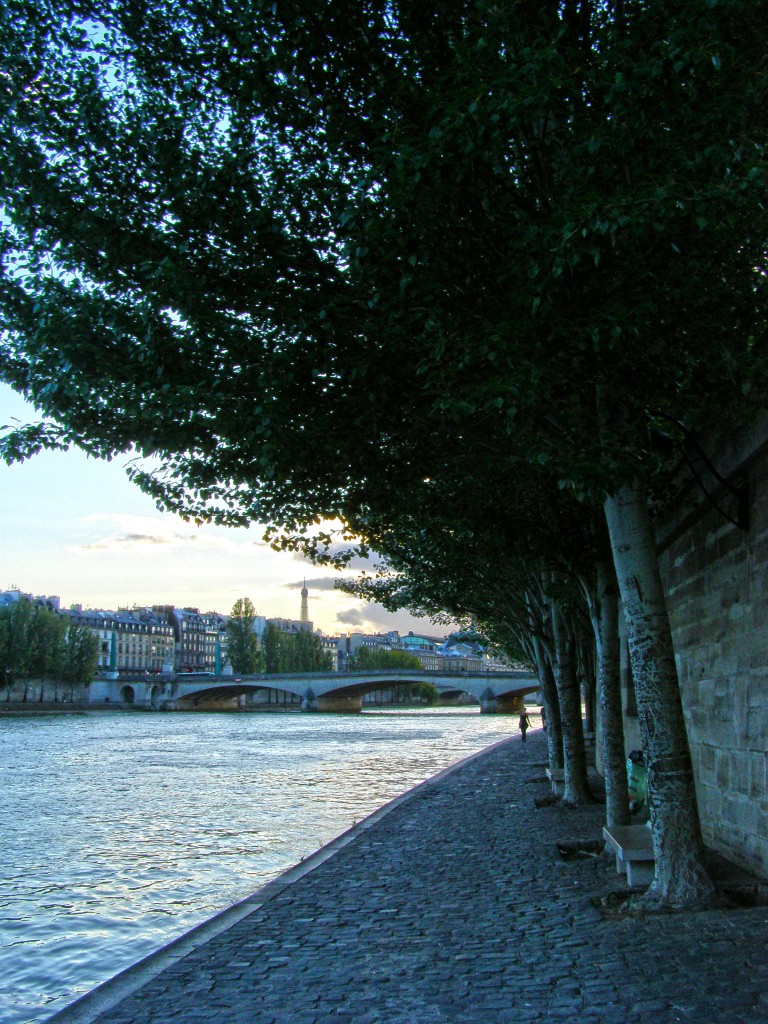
[[716, 575], [33, 692]]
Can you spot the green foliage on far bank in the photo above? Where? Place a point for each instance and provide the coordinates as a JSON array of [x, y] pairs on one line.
[[243, 650], [375, 659], [294, 652], [37, 643]]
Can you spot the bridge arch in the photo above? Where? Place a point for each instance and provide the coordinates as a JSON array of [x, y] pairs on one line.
[[332, 691]]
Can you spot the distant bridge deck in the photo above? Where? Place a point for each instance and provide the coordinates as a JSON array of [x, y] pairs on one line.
[[331, 691]]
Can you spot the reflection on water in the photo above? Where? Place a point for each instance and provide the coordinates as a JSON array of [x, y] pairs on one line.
[[121, 831]]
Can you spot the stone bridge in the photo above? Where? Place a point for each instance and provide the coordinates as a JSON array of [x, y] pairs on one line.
[[317, 691]]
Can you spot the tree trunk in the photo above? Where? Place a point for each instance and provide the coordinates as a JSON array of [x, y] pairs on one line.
[[576, 789], [681, 877], [551, 705], [587, 673], [606, 622]]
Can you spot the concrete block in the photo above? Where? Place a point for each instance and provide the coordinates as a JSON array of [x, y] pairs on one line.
[[722, 770], [756, 680], [748, 816], [739, 772], [756, 726], [556, 777], [707, 758], [758, 775], [721, 709]]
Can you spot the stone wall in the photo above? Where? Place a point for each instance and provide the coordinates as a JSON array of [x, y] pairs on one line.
[[35, 691], [716, 572]]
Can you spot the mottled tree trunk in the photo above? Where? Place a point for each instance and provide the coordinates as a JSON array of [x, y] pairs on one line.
[[576, 789], [551, 705], [606, 621], [681, 877], [587, 674]]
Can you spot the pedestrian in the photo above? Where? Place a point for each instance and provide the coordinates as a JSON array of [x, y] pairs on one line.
[[524, 723], [544, 719]]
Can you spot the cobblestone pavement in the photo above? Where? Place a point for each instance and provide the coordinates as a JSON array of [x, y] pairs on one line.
[[456, 908]]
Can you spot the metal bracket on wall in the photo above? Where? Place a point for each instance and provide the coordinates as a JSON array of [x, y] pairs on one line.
[[739, 494]]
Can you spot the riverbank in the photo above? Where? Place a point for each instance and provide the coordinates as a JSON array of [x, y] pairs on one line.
[[452, 904], [81, 708]]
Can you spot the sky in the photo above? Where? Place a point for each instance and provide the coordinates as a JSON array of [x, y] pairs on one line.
[[76, 527]]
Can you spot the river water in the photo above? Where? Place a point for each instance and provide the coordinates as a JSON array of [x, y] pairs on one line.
[[120, 831]]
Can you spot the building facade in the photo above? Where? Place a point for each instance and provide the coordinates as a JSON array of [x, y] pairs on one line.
[[134, 642]]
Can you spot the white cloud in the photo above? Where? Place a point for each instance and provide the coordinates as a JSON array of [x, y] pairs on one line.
[[351, 617], [115, 532]]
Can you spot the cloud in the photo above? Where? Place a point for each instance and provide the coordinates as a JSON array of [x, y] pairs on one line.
[[123, 541], [357, 562], [319, 583], [351, 617], [130, 532], [373, 618]]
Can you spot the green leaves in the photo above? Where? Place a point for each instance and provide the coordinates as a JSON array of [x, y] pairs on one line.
[[283, 249], [243, 651]]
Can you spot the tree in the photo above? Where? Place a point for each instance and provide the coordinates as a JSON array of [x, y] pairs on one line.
[[376, 659], [38, 643], [308, 654], [245, 655], [370, 659], [80, 655], [15, 629], [294, 652], [274, 655], [276, 249], [46, 646]]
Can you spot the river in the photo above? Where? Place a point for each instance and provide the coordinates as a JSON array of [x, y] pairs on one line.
[[121, 830]]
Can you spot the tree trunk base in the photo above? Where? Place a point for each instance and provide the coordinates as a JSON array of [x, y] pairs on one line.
[[678, 897], [578, 800]]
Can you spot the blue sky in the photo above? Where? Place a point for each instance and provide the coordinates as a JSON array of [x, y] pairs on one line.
[[76, 527]]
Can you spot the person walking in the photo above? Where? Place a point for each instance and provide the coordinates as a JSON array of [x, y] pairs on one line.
[[524, 723]]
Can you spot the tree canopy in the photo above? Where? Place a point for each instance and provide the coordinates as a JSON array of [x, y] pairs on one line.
[[294, 652], [243, 649], [300, 258], [227, 235], [374, 658], [37, 643]]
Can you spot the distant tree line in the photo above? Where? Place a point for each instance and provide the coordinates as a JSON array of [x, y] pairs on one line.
[[294, 652], [245, 655], [38, 644], [370, 659], [375, 659], [279, 651]]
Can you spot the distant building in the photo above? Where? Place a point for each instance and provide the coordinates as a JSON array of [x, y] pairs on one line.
[[131, 642], [199, 638], [376, 641], [418, 642], [334, 646], [14, 595], [291, 625]]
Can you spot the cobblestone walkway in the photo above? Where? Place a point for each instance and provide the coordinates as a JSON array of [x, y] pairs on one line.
[[456, 908]]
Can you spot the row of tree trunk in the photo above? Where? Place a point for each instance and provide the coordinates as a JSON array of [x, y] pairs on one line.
[[575, 646]]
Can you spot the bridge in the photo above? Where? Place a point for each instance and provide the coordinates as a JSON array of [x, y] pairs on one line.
[[496, 692]]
